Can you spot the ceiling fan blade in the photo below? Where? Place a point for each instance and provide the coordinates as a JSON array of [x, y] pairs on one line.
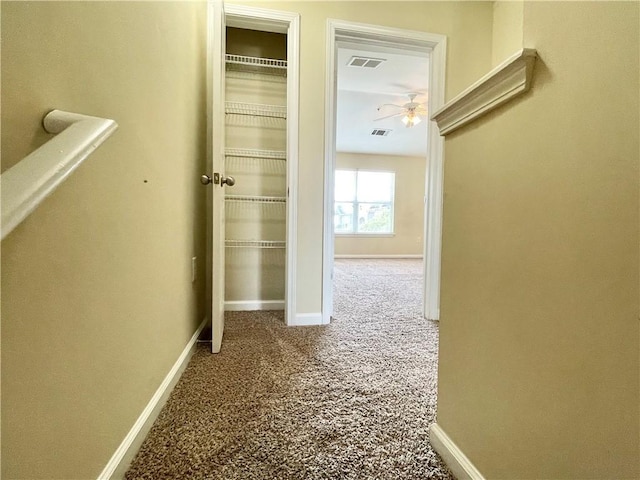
[[389, 116], [389, 105]]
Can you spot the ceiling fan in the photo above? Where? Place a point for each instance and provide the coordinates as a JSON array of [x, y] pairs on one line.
[[411, 111]]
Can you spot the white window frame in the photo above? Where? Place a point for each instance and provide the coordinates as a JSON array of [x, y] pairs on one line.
[[356, 203]]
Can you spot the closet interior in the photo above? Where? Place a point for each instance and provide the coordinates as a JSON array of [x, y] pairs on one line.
[[255, 155]]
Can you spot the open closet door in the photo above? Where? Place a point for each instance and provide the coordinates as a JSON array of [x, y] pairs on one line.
[[217, 29]]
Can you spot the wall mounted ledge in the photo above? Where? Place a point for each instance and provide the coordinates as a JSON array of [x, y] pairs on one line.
[[508, 80], [25, 185]]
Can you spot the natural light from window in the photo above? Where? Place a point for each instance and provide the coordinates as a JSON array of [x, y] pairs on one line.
[[363, 202]]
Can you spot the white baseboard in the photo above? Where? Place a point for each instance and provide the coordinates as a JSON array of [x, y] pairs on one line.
[[122, 457], [241, 306], [457, 461], [306, 319], [408, 255]]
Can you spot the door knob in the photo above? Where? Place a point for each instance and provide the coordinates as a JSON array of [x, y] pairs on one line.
[[218, 179]]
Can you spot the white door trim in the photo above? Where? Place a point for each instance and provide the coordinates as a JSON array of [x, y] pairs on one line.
[[241, 16], [436, 46]]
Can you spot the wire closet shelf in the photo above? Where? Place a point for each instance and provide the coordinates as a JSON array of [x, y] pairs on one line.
[[252, 153], [254, 199], [255, 110], [255, 244], [244, 63]]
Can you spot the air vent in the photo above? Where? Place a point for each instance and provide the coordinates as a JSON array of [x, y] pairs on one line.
[[365, 62], [379, 132]]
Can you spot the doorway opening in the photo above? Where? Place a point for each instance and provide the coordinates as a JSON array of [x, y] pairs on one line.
[[369, 47], [253, 114]]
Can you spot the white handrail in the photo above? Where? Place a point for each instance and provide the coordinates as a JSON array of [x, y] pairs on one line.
[[25, 185]]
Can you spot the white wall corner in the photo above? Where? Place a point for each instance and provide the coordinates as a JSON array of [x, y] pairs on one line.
[[306, 319], [457, 461], [120, 460]]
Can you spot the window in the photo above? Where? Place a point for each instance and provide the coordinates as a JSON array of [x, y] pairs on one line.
[[363, 202]]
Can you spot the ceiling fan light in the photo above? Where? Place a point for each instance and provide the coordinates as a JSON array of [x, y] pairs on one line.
[[411, 120]]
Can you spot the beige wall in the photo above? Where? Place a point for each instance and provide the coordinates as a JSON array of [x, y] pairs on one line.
[[97, 299], [408, 206], [468, 28], [507, 30], [539, 316]]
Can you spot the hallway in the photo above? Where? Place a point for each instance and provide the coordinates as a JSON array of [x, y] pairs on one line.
[[105, 285], [353, 399]]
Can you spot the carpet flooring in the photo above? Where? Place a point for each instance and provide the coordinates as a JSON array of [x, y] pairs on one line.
[[349, 400]]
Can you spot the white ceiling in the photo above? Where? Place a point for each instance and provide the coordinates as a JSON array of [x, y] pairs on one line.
[[362, 90]]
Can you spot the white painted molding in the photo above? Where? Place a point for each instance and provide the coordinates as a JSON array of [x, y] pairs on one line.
[[435, 45], [127, 449], [434, 186], [30, 181], [307, 319], [409, 255], [457, 461], [330, 109], [508, 80], [257, 18], [293, 128], [248, 305]]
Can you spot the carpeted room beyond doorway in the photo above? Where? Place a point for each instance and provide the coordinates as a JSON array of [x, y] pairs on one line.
[[350, 400]]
